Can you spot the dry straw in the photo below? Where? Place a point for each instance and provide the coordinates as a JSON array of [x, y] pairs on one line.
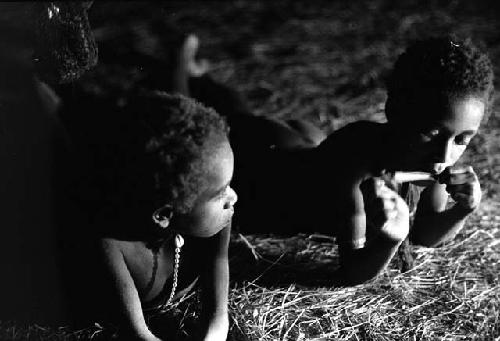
[[453, 293]]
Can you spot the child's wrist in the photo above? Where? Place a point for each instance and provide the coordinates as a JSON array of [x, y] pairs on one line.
[[387, 241], [214, 320], [146, 336], [216, 328], [463, 210], [219, 321], [139, 334]]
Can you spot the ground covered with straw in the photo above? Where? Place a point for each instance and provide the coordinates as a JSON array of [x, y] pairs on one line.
[[452, 294], [326, 61]]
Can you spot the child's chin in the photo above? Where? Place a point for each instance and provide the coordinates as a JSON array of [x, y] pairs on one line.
[[423, 183], [208, 233], [428, 168]]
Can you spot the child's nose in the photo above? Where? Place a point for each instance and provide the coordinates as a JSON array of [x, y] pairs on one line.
[[443, 151], [232, 197]]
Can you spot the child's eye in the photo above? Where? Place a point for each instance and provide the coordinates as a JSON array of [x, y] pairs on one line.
[[222, 193], [432, 133], [429, 135], [462, 140]]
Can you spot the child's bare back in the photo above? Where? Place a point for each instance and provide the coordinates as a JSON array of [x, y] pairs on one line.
[[439, 92]]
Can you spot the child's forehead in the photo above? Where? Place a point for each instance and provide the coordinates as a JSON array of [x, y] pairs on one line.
[[457, 112], [219, 162], [218, 165], [435, 104]]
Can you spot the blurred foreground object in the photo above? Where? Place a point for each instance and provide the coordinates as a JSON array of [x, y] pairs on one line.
[[33, 151], [54, 36], [64, 44]]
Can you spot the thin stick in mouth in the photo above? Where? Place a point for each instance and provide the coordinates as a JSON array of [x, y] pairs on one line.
[[400, 176]]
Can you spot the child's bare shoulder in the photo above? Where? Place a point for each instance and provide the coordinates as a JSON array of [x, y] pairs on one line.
[[358, 135], [133, 256], [352, 151], [128, 249]]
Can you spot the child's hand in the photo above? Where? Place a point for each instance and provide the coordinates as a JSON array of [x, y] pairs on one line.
[[385, 210], [217, 330], [463, 185]]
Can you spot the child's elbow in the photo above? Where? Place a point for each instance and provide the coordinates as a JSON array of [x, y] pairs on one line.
[[353, 281], [350, 279], [422, 240]]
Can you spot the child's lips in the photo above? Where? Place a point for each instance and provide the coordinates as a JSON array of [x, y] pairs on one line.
[[231, 214], [229, 218], [434, 169]]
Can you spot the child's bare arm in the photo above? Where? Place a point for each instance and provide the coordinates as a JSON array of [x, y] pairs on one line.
[[388, 215], [215, 286], [434, 224], [126, 296]]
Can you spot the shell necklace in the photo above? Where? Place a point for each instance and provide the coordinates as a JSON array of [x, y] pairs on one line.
[[179, 242]]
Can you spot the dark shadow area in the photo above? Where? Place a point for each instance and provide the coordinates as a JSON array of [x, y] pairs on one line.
[[272, 260]]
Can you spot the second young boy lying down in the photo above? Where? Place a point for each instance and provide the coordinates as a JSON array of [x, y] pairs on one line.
[[438, 94], [156, 189]]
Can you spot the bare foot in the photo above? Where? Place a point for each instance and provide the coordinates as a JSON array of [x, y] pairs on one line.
[[187, 66], [189, 49]]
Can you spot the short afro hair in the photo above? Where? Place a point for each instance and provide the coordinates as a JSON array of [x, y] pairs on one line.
[[182, 135], [441, 66], [142, 154]]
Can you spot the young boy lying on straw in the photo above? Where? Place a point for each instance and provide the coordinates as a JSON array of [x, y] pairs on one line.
[[365, 182]]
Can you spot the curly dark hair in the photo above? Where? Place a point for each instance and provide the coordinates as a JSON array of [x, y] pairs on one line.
[[443, 66], [141, 155], [182, 133]]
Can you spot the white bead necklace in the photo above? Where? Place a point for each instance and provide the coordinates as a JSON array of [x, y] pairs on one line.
[[179, 242]]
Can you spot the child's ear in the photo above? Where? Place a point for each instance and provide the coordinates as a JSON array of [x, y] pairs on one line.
[[390, 107], [163, 216], [395, 113]]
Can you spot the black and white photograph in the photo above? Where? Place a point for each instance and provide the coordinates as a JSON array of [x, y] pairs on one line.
[[250, 170]]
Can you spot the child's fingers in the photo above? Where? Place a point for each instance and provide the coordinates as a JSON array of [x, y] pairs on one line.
[[387, 205], [389, 179], [383, 204], [463, 178], [391, 215], [457, 175], [460, 169], [381, 217], [375, 190], [370, 186], [385, 192], [396, 222], [465, 200], [389, 210], [462, 188], [457, 170], [467, 194], [386, 212]]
